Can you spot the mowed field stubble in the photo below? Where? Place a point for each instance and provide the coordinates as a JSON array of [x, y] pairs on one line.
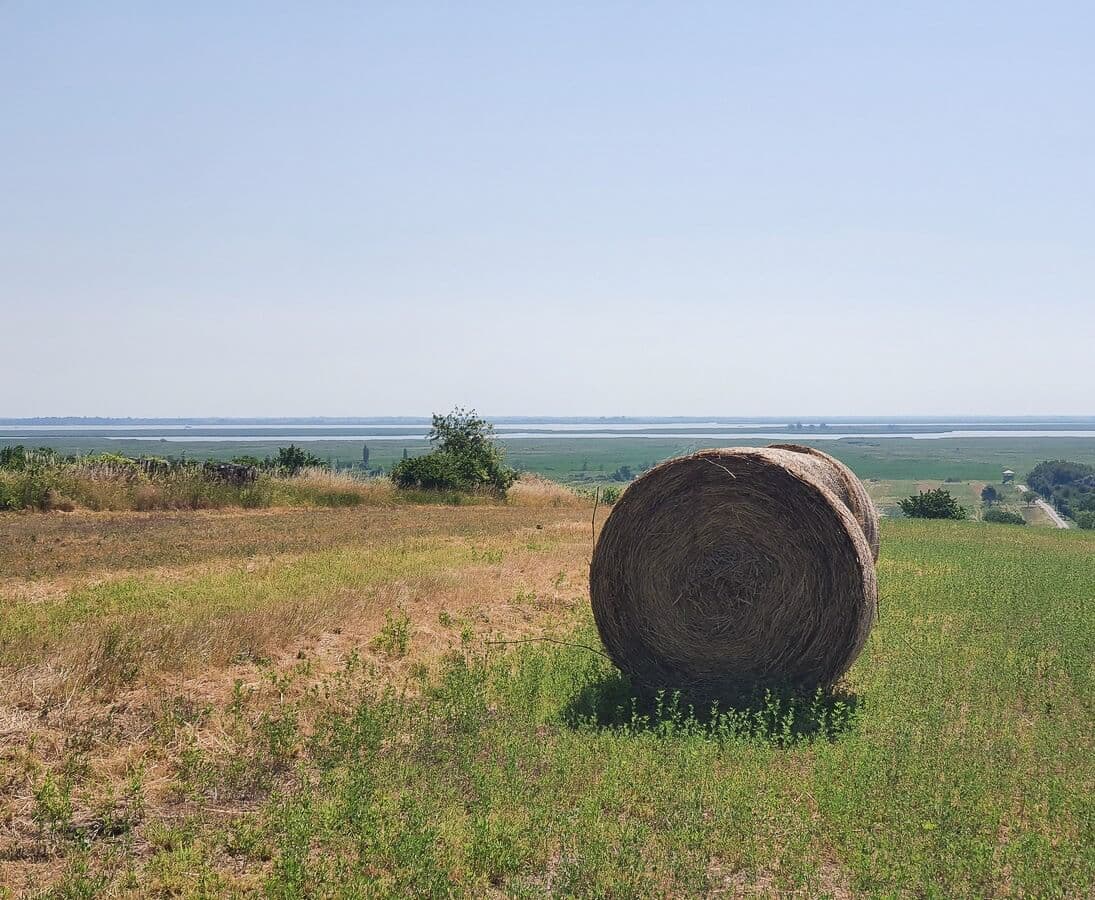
[[305, 702]]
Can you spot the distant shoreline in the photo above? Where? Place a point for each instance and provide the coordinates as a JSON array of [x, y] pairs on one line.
[[878, 421]]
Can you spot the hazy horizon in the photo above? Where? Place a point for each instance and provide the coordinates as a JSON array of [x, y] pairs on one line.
[[244, 210], [533, 418]]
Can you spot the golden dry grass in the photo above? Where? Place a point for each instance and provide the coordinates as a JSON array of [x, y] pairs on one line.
[[109, 620], [536, 492], [125, 486], [313, 486]]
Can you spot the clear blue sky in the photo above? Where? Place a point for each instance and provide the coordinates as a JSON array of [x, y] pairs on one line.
[[213, 208]]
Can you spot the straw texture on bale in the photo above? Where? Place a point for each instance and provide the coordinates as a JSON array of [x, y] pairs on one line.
[[729, 570]]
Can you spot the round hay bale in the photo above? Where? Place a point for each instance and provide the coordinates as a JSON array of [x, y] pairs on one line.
[[730, 570]]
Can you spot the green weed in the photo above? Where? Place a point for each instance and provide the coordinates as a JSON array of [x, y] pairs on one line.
[[395, 635]]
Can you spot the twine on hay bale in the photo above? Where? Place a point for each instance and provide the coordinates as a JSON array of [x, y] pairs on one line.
[[728, 570]]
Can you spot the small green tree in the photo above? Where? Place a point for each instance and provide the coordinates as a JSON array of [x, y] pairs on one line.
[[1029, 497], [465, 457], [989, 494], [13, 456], [937, 504], [293, 459]]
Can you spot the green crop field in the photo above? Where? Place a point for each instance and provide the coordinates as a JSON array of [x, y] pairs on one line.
[[576, 459], [312, 702]]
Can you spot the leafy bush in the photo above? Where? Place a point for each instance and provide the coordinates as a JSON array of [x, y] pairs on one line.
[[465, 458], [610, 495], [1086, 519], [435, 471], [989, 494], [1003, 517], [116, 460], [16, 457], [27, 489], [292, 459], [13, 457], [937, 504]]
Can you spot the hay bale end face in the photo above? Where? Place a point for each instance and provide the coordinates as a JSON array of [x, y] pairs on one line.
[[731, 570]]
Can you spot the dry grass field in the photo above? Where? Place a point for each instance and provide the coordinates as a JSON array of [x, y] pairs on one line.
[[106, 617], [309, 702]]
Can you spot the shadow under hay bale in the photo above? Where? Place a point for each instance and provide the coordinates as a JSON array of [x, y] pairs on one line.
[[781, 717], [731, 571]]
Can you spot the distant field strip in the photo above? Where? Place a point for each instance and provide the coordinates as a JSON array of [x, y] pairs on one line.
[[578, 459]]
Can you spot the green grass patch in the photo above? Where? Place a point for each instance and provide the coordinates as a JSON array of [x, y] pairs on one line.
[[956, 760]]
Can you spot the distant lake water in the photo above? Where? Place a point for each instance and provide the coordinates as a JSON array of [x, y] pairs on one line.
[[652, 435], [708, 431]]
